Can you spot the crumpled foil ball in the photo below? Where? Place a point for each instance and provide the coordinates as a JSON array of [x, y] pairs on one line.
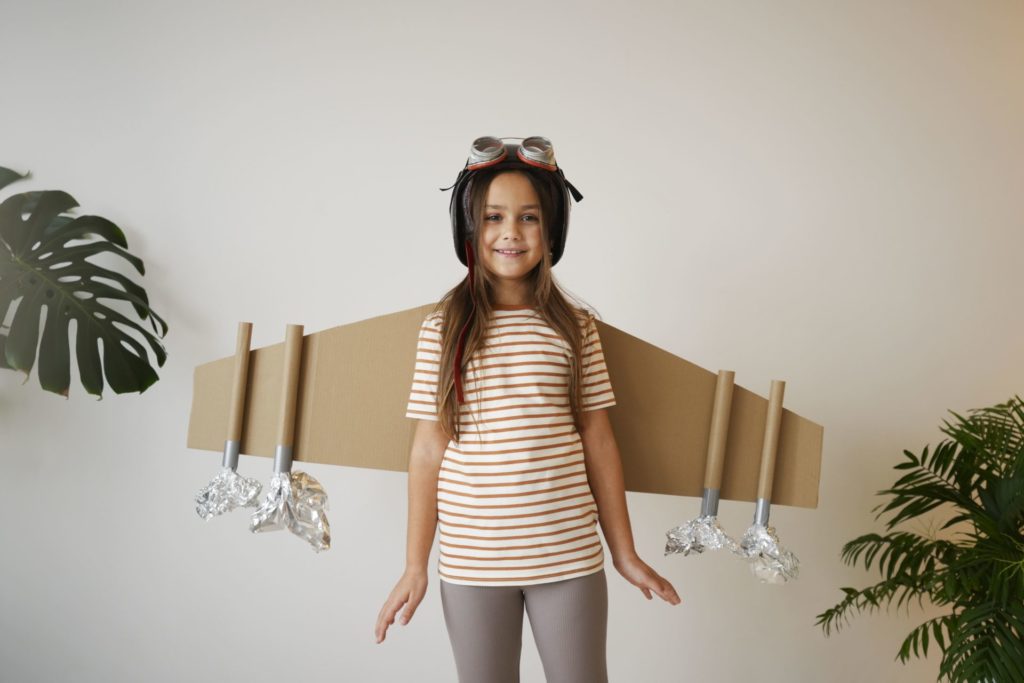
[[770, 562], [698, 535], [225, 492], [297, 502]]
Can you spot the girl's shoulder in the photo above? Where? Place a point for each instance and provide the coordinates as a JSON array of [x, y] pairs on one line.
[[585, 316], [433, 320]]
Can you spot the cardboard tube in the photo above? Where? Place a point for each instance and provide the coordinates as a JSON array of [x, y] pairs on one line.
[[238, 381], [236, 407], [289, 394], [769, 449], [715, 460], [719, 430]]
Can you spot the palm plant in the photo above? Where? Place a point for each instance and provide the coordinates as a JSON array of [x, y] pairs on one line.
[[44, 263], [973, 563]]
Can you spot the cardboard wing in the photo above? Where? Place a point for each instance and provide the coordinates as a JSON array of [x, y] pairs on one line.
[[355, 380]]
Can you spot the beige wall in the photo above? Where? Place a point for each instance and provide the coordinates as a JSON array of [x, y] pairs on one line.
[[825, 193]]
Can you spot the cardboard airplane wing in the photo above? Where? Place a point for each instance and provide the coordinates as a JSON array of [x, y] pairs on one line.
[[354, 382]]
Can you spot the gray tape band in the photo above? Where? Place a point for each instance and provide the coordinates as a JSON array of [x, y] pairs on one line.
[[709, 503], [231, 449], [762, 511], [283, 459]]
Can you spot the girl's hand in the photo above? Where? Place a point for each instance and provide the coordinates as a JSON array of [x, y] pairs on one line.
[[409, 591], [636, 571]]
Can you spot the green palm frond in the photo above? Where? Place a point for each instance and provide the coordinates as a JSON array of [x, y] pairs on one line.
[[935, 630], [44, 265], [974, 563], [988, 644]]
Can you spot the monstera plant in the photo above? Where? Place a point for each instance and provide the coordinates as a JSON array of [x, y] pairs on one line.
[[970, 560], [44, 264]]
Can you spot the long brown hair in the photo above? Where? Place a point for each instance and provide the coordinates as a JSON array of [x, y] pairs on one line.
[[555, 306]]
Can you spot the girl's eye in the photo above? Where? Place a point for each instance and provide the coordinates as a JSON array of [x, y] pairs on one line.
[[497, 217]]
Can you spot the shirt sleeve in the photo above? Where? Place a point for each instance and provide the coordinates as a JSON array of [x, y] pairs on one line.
[[597, 385], [423, 394]]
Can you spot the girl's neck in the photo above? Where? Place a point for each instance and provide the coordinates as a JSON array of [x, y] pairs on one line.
[[510, 307], [518, 298], [511, 302]]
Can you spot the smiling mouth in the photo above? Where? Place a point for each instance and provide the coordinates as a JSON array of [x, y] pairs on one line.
[[510, 252]]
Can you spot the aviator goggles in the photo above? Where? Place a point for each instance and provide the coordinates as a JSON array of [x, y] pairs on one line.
[[535, 151]]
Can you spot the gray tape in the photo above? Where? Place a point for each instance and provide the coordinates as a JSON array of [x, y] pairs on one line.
[[762, 511], [709, 503], [231, 449], [283, 459]]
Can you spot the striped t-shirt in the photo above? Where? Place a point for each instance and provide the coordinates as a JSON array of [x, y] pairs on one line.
[[514, 506]]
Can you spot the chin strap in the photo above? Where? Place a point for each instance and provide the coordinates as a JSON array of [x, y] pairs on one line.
[[462, 335]]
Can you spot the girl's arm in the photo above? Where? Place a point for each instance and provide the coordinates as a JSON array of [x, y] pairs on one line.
[[428, 446], [429, 443], [604, 472]]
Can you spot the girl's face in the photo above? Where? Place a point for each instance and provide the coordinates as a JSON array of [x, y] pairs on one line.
[[512, 236]]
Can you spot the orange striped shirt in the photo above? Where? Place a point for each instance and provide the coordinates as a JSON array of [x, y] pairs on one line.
[[514, 506]]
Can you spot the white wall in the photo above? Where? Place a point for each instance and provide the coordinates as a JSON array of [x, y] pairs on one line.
[[826, 193]]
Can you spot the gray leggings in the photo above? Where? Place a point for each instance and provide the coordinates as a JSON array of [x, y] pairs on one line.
[[569, 620]]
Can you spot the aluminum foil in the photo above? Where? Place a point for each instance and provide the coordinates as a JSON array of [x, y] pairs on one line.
[[770, 562], [225, 492], [297, 502], [698, 535]]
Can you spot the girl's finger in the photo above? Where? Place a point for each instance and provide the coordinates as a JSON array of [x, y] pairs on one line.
[[382, 612], [661, 586], [410, 609], [387, 614]]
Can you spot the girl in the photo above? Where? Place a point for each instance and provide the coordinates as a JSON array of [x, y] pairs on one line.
[[514, 456]]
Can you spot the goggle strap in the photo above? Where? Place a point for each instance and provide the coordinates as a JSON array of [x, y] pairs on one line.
[[575, 193], [457, 179]]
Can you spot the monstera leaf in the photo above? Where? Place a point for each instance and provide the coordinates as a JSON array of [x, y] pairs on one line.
[[44, 264]]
